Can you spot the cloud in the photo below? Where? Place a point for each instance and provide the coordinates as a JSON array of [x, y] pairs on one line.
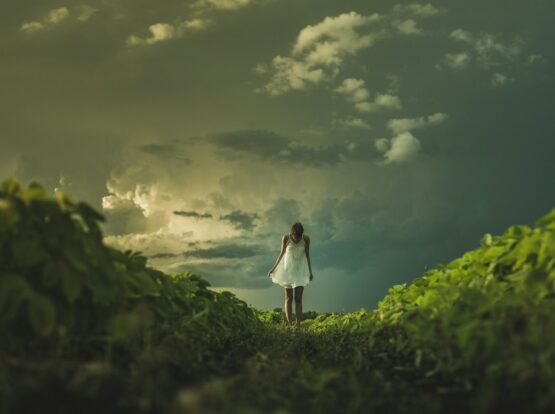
[[403, 17], [402, 148], [488, 49], [407, 27], [341, 30], [535, 58], [192, 214], [354, 89], [81, 13], [260, 142], [228, 251], [224, 263], [485, 51], [240, 220], [136, 197], [320, 50], [84, 12], [400, 125], [161, 32], [499, 79], [150, 243], [457, 60], [220, 4], [381, 144], [236, 145], [198, 20], [165, 151], [282, 213], [52, 18], [355, 92], [245, 273], [381, 101], [351, 123], [416, 9], [393, 83]]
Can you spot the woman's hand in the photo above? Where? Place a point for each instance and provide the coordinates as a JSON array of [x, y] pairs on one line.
[[311, 276]]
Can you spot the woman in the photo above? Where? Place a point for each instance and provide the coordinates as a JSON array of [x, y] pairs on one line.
[[294, 272]]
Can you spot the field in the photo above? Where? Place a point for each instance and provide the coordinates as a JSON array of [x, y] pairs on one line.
[[88, 328]]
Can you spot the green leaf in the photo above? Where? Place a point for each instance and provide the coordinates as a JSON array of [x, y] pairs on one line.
[[486, 240], [50, 274], [9, 216], [71, 282], [27, 252], [89, 213], [34, 192], [41, 314], [142, 284], [65, 202], [14, 290], [10, 187], [547, 221]]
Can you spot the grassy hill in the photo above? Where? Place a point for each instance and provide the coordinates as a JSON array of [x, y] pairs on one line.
[[88, 328]]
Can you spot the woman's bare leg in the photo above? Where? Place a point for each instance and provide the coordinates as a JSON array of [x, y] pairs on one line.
[[299, 304], [288, 305]]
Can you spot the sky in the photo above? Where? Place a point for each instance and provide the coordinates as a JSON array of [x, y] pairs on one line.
[[397, 133]]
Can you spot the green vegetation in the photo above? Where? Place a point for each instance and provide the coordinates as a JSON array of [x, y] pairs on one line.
[[87, 328]]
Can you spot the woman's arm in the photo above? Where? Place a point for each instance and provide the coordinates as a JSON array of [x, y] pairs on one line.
[[306, 246], [281, 253]]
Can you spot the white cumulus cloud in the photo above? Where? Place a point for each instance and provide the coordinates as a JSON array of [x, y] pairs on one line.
[[499, 79], [400, 125], [402, 148], [416, 9], [220, 4], [407, 27], [53, 17], [356, 92], [160, 32], [381, 101], [485, 51], [321, 49]]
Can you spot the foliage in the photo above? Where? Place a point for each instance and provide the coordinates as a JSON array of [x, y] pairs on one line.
[[87, 328], [64, 294]]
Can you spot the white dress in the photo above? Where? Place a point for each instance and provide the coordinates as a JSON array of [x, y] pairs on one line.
[[292, 270]]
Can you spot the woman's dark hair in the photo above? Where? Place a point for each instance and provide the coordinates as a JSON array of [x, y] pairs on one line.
[[297, 229]]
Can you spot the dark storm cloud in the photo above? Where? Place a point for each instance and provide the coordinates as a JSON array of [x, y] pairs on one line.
[[192, 214], [229, 251], [165, 151], [283, 213], [163, 255], [228, 273], [240, 220], [269, 145], [224, 265], [219, 251], [259, 142]]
